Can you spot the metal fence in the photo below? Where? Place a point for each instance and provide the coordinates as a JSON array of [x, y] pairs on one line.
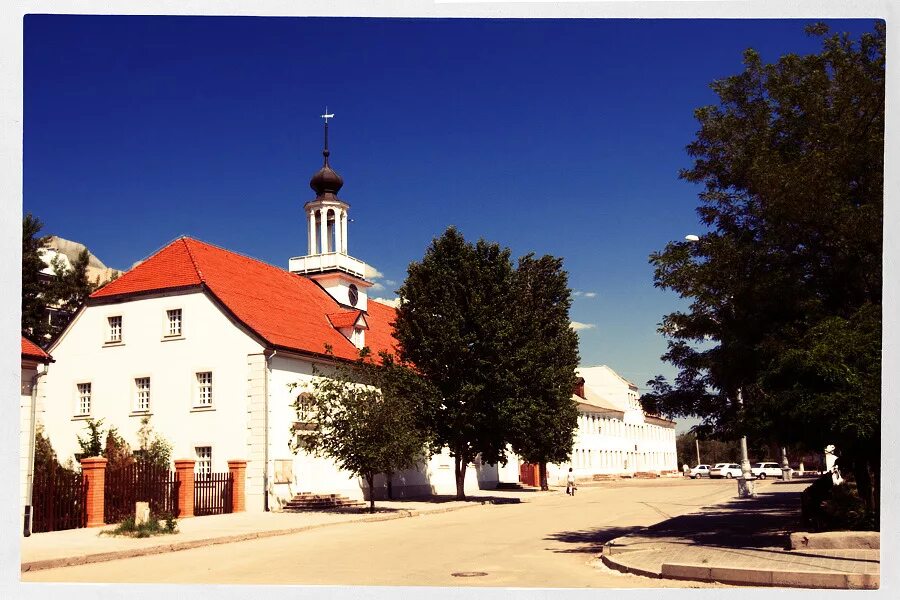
[[139, 482], [59, 501], [213, 493]]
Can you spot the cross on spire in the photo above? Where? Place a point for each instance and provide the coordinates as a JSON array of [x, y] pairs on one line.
[[327, 116]]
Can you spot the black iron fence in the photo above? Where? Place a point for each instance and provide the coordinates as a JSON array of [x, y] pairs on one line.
[[59, 501], [139, 483], [213, 493]]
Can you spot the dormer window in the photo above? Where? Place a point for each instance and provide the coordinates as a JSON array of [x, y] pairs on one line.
[[357, 337]]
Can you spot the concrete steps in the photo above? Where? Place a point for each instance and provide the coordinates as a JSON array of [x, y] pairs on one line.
[[305, 501], [509, 486]]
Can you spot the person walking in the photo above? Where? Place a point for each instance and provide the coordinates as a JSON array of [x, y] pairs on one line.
[[570, 483], [686, 470]]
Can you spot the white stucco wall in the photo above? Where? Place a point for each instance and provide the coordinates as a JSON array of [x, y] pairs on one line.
[[210, 342], [322, 475], [28, 373]]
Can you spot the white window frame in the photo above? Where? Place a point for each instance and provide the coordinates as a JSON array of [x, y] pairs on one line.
[[138, 395], [174, 317], [114, 330], [83, 390], [203, 464], [203, 388]]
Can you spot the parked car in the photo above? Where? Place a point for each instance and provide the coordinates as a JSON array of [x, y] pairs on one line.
[[726, 470], [699, 472], [766, 469]]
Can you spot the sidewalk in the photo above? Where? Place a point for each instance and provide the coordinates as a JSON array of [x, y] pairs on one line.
[[742, 542], [82, 546]]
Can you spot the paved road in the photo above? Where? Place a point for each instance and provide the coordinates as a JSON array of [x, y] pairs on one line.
[[550, 541]]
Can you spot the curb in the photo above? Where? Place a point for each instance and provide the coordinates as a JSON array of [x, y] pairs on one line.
[[746, 577], [84, 559]]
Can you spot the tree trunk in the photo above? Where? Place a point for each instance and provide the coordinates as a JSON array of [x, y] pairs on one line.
[[370, 479], [459, 470], [876, 488], [542, 469]]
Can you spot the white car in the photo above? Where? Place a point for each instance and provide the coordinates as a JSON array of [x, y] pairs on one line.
[[726, 470], [766, 469], [699, 472]]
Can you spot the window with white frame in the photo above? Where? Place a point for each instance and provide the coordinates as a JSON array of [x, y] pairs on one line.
[[174, 321], [204, 389], [142, 394], [114, 331], [203, 466], [84, 398]]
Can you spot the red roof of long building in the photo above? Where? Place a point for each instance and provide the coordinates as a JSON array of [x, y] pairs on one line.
[[286, 310], [33, 351]]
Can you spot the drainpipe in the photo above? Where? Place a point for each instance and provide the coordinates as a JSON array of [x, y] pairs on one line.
[[269, 357], [29, 479]]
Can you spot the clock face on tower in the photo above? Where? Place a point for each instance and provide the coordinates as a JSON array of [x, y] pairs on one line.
[[353, 294]]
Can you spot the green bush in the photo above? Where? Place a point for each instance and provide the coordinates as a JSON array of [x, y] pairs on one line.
[[156, 525], [844, 510]]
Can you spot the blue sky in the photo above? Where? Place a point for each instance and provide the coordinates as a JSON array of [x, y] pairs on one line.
[[562, 137]]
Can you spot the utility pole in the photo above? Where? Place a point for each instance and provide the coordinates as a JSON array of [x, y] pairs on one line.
[[697, 442]]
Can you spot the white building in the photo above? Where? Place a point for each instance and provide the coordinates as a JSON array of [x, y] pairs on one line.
[[615, 436], [34, 365], [206, 342]]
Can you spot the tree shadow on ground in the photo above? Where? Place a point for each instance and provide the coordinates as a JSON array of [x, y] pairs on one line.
[[760, 523], [589, 541]]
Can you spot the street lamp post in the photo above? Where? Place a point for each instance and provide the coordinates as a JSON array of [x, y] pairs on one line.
[[745, 481]]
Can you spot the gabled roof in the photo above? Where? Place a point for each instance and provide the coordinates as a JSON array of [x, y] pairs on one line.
[[32, 351], [287, 311], [348, 318]]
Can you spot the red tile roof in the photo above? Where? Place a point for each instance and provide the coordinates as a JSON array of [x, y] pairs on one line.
[[345, 318], [34, 352], [285, 310]]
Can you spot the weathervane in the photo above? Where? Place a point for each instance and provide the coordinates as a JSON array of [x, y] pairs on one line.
[[326, 116]]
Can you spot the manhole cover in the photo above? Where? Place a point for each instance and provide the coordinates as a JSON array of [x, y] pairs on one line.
[[469, 574]]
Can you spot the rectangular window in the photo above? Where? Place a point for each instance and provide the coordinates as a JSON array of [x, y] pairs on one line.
[[174, 316], [203, 466], [204, 388], [84, 398], [115, 329], [142, 394]]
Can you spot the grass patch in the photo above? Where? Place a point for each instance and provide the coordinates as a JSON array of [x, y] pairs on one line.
[[156, 525]]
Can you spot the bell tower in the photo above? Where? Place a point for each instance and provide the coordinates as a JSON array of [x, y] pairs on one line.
[[327, 261]]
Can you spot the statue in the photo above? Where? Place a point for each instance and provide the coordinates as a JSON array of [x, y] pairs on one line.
[[830, 458]]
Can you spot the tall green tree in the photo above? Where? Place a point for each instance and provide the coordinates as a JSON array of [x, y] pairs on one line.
[[35, 325], [369, 417], [791, 164], [452, 324], [542, 417]]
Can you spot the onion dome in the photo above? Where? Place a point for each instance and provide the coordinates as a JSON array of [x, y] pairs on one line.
[[326, 180]]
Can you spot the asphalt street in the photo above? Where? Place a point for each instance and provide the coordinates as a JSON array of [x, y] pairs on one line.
[[550, 541]]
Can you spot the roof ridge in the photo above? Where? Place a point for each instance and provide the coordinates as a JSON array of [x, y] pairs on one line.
[[187, 247], [241, 254]]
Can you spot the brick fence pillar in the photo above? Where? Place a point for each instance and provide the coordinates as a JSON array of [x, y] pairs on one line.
[[94, 472], [184, 469], [238, 470]]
